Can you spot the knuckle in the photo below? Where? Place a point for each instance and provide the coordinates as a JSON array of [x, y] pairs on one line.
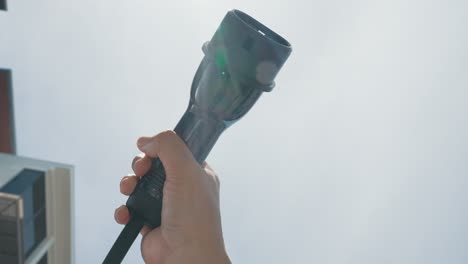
[[166, 135], [218, 182], [164, 138], [214, 177]]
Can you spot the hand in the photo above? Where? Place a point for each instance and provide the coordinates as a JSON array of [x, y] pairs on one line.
[[190, 230]]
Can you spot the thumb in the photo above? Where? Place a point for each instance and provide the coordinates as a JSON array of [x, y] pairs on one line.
[[176, 158]]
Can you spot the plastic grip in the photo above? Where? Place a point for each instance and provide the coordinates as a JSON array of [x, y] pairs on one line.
[[200, 135], [153, 181], [146, 199]]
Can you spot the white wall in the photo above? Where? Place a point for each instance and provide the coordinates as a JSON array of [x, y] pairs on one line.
[[360, 155]]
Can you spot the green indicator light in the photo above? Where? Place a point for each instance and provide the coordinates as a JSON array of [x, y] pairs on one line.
[[220, 59]]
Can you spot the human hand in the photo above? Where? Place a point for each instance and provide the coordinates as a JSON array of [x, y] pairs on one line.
[[190, 230]]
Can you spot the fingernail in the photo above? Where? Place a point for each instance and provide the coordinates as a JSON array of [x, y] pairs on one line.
[[148, 147], [143, 141]]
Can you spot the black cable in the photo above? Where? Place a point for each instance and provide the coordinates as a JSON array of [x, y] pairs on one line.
[[124, 241], [241, 62]]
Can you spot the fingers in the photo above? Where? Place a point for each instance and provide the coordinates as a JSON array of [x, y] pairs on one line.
[[127, 184], [122, 215], [174, 154], [141, 164]]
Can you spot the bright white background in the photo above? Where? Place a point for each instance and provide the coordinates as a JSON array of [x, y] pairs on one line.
[[360, 154]]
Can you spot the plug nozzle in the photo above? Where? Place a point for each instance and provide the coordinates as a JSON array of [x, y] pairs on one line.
[[241, 61], [249, 48]]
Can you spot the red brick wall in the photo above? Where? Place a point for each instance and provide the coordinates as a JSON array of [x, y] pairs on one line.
[[5, 115]]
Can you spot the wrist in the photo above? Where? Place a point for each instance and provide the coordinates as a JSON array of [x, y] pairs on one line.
[[199, 253], [210, 254]]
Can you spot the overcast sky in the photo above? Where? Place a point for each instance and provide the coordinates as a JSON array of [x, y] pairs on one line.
[[359, 155]]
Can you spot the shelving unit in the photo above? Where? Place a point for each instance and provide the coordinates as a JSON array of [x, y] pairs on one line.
[[36, 211]]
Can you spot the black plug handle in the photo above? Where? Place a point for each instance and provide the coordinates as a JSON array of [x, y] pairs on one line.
[[199, 134], [241, 62]]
